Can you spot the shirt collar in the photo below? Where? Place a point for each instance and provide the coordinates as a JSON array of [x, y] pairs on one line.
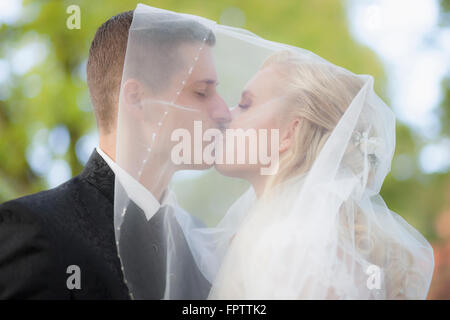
[[137, 193]]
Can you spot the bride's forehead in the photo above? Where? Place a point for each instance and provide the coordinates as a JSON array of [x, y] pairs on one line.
[[263, 81]]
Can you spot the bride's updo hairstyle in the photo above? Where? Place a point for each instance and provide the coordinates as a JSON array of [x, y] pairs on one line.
[[318, 94]]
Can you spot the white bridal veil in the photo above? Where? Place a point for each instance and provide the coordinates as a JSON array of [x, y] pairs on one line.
[[190, 225]]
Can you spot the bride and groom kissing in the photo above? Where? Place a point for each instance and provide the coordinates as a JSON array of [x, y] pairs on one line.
[[308, 230]]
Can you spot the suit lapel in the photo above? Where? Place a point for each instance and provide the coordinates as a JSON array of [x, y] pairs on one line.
[[99, 174]]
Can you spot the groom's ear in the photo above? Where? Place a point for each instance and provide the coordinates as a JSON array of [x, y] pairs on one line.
[[288, 136], [133, 94]]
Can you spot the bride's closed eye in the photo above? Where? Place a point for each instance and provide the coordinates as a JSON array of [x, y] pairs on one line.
[[244, 105], [246, 102]]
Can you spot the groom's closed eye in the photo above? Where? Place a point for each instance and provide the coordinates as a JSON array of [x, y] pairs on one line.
[[205, 88], [200, 94]]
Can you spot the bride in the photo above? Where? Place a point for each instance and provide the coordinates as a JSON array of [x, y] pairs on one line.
[[304, 235]]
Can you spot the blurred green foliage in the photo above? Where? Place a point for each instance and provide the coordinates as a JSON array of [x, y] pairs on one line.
[[319, 26]]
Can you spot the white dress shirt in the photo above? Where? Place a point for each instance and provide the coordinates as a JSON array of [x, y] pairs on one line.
[[146, 201], [137, 193]]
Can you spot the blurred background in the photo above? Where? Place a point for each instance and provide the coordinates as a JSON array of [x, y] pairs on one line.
[[47, 128]]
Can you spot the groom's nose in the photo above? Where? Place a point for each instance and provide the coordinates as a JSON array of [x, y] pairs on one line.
[[219, 112]]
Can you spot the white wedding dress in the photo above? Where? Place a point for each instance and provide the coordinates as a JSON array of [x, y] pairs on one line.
[[273, 256]]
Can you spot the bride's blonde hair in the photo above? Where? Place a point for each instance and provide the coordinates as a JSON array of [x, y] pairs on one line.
[[318, 94]]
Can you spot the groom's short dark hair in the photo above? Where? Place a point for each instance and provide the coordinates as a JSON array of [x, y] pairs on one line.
[[105, 65], [107, 55]]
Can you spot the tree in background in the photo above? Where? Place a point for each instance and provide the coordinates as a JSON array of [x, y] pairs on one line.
[[46, 116]]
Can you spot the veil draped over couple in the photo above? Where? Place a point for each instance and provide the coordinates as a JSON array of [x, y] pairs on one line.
[[249, 169]]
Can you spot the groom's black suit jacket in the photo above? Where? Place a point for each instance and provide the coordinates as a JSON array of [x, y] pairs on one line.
[[41, 235]]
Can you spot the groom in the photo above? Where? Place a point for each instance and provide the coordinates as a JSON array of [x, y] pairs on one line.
[[60, 243]]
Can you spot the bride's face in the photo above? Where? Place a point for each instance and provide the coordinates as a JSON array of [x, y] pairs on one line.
[[259, 108]]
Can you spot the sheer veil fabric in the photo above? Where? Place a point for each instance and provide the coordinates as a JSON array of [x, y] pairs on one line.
[[295, 212]]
